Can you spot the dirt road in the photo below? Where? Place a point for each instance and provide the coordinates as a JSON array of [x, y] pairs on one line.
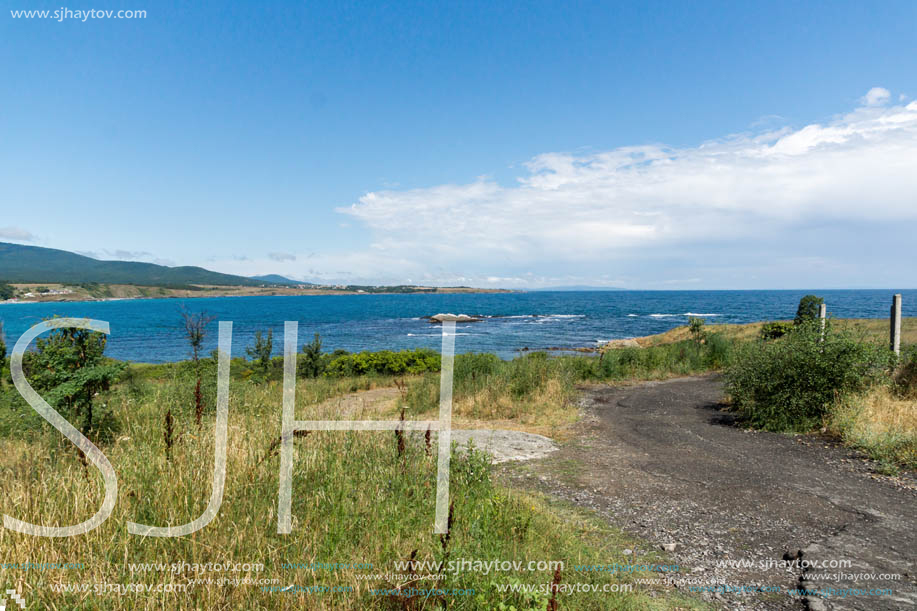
[[665, 462]]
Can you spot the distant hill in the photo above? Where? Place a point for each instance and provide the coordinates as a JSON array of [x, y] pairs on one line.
[[277, 279], [33, 264]]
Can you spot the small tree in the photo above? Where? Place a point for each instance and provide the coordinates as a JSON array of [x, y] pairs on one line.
[[260, 353], [68, 369], [6, 291], [311, 365], [696, 327], [195, 330], [808, 309]]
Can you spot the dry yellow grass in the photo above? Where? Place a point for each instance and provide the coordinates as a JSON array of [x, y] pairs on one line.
[[881, 423], [887, 413], [874, 329], [549, 412]]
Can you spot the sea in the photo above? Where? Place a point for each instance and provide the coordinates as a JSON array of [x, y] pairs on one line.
[[151, 330]]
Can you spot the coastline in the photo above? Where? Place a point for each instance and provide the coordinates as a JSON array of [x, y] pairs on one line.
[[148, 329], [117, 292]]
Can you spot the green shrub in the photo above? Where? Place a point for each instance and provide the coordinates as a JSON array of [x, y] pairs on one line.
[[718, 350], [69, 371], [789, 384], [773, 330], [808, 309], [6, 291], [385, 362], [906, 376]]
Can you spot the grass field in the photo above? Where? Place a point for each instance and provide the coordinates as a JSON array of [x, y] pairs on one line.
[[358, 498]]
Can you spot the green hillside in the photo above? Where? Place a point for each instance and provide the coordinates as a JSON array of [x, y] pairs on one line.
[[33, 264], [277, 279]]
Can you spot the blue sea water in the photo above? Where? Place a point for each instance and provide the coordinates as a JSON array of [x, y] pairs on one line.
[[150, 330]]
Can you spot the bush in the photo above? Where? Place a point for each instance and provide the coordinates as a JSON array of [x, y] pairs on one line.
[[773, 330], [68, 370], [384, 362], [789, 384], [719, 351], [906, 376], [6, 291], [808, 309]]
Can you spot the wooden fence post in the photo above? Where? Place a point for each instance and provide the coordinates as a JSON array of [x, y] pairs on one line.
[[895, 324]]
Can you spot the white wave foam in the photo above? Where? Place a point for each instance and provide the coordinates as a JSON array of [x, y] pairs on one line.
[[544, 316], [696, 314]]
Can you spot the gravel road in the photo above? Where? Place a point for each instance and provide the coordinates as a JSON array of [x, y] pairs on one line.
[[666, 462]]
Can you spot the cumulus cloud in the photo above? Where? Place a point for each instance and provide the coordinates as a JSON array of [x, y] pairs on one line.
[[16, 234], [281, 256], [638, 200], [877, 96]]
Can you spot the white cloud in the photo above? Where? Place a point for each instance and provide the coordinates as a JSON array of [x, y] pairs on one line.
[[877, 96], [16, 234], [357, 267], [132, 255], [636, 200], [125, 255], [281, 256], [818, 205]]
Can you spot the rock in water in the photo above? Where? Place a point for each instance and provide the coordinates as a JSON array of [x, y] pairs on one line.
[[455, 317]]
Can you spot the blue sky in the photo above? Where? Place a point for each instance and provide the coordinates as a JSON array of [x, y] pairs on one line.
[[645, 145]]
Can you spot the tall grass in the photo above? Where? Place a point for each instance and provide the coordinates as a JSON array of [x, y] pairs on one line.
[[354, 500], [537, 392], [881, 423]]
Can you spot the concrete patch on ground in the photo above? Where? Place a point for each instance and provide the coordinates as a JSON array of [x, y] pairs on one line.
[[505, 445]]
